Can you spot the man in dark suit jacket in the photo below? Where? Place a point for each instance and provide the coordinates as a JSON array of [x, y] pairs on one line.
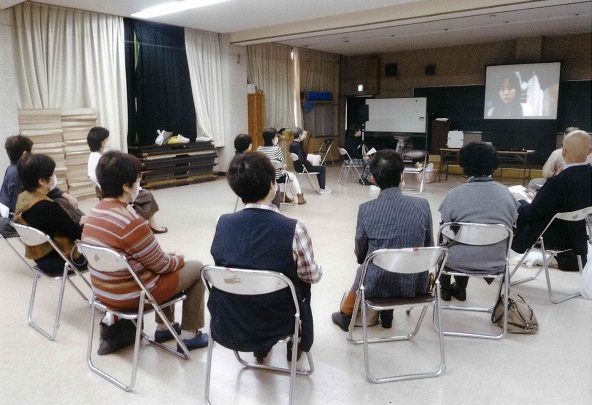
[[391, 221], [568, 191]]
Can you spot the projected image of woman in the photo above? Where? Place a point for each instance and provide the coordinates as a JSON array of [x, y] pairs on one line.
[[508, 104]]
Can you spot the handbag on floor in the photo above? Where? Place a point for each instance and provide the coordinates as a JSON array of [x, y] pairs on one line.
[[521, 317]]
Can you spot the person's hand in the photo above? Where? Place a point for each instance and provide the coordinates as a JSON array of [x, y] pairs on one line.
[[73, 201], [366, 157]]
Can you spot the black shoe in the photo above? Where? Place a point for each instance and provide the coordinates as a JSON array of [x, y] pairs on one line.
[[116, 336], [386, 319], [458, 292], [342, 320], [364, 182], [161, 336], [261, 355], [289, 346], [445, 294]]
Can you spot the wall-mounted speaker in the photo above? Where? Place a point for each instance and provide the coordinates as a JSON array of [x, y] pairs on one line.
[[391, 70], [430, 70]]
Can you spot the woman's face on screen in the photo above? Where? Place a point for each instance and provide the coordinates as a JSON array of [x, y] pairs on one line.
[[507, 92]]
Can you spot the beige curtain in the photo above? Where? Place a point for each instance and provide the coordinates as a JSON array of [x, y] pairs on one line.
[[66, 58], [269, 68], [319, 71], [205, 71]]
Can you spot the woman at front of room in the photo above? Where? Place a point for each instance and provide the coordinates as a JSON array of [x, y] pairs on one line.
[[35, 209], [508, 104]]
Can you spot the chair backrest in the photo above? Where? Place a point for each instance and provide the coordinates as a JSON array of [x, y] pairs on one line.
[[343, 152], [407, 260], [578, 215], [103, 259], [4, 211], [247, 281], [277, 164], [294, 157], [31, 236], [475, 234]]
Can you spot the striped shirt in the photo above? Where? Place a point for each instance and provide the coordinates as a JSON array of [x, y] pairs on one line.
[[306, 267], [111, 224], [274, 153]]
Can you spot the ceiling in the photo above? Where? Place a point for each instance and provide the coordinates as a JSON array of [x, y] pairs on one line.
[[354, 27]]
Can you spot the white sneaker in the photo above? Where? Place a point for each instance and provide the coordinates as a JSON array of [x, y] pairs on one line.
[[183, 139], [325, 191]]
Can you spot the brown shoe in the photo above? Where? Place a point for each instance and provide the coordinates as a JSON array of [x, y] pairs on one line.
[[301, 199], [285, 198]]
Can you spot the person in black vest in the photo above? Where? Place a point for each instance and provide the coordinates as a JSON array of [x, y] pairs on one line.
[[259, 237]]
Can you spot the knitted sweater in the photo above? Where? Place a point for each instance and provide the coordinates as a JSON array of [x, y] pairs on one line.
[[111, 224]]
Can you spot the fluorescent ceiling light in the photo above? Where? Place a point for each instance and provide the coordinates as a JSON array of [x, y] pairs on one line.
[[173, 7]]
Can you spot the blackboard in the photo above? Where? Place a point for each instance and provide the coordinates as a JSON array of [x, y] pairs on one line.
[[405, 115]]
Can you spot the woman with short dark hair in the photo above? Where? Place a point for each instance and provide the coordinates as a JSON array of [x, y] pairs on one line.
[[479, 200], [274, 152], [111, 224], [35, 209]]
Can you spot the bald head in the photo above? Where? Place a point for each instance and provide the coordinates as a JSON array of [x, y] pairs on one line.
[[576, 147]]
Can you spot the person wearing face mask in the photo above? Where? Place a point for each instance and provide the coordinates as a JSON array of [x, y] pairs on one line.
[[260, 237], [145, 204], [274, 152], [34, 208], [297, 147], [113, 225]]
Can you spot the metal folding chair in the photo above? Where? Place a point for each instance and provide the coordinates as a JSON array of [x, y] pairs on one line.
[[404, 261], [251, 283], [286, 181], [305, 173], [105, 260], [481, 235], [34, 237], [579, 215], [325, 149], [410, 158], [348, 165]]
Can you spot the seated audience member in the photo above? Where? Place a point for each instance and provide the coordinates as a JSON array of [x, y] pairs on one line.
[[259, 237], [274, 152], [480, 200], [111, 224], [34, 208], [353, 146], [145, 205], [554, 164], [297, 147], [570, 190], [242, 143], [391, 221], [17, 146]]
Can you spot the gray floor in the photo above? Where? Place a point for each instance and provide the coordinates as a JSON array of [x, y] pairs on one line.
[[552, 367]]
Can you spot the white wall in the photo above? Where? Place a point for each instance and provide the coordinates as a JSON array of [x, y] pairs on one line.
[[234, 82], [8, 93]]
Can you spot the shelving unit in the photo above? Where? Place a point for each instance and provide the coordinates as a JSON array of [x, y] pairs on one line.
[[176, 165]]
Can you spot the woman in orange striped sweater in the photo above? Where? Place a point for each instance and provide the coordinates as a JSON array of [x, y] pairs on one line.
[[112, 224]]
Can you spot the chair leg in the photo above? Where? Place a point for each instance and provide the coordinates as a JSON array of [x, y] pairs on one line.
[[209, 370], [546, 267], [56, 324]]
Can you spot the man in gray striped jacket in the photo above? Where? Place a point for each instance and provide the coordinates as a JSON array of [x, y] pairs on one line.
[[393, 220]]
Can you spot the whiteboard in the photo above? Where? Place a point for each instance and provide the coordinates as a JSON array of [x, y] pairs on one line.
[[397, 115]]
